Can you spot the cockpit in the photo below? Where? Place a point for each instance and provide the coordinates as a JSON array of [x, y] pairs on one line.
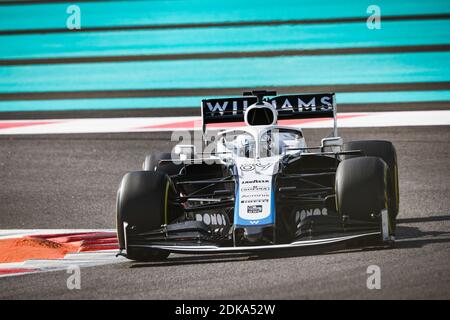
[[279, 141], [267, 143], [238, 143]]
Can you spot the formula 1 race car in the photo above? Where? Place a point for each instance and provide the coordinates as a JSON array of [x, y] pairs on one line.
[[261, 188]]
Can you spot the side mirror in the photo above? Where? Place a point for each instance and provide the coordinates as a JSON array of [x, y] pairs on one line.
[[335, 143], [186, 151]]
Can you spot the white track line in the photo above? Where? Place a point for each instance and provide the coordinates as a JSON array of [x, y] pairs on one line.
[[17, 233], [154, 124]]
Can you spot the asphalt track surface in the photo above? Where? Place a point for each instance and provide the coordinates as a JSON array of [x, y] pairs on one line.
[[70, 181]]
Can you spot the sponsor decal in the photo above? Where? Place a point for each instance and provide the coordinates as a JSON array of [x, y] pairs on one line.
[[247, 167], [255, 195], [286, 104], [300, 215], [251, 166], [254, 209], [255, 188], [255, 181], [303, 104], [217, 107], [231, 106], [212, 219], [255, 201]]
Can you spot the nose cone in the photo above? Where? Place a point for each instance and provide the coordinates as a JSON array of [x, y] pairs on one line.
[[253, 234]]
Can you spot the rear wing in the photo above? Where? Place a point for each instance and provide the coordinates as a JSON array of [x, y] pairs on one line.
[[297, 106]]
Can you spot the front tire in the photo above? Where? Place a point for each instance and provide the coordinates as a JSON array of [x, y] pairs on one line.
[[386, 151], [142, 203], [361, 188]]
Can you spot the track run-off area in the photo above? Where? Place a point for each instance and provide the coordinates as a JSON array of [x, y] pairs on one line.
[[69, 182]]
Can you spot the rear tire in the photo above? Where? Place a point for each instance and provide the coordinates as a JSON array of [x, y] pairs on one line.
[[386, 151], [153, 162], [142, 202]]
